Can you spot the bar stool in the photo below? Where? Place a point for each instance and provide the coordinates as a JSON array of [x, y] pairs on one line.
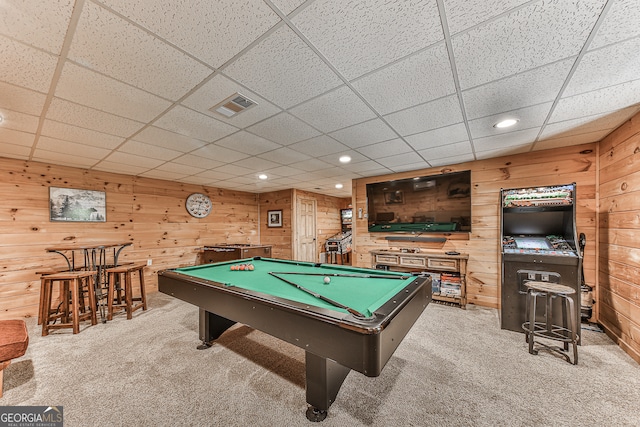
[[548, 328], [71, 282], [116, 277]]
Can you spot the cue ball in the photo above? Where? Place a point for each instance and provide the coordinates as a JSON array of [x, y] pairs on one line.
[[327, 279]]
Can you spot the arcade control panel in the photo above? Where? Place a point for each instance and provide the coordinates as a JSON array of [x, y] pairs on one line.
[[551, 245]]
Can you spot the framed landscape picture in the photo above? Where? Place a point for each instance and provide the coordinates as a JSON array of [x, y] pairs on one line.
[[75, 205]]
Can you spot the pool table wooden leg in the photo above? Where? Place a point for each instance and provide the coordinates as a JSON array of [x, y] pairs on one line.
[[211, 327], [324, 378]]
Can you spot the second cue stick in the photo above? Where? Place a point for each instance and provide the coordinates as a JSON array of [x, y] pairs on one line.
[[361, 276]]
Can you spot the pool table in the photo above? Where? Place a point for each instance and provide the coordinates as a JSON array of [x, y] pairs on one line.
[[354, 322]]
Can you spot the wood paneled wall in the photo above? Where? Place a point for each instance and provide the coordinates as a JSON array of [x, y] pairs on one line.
[[619, 276], [548, 167], [150, 213]]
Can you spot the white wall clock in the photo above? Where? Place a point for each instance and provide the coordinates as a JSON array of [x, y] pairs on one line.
[[199, 205]]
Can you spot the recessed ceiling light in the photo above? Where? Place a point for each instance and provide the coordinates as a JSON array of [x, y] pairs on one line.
[[345, 159], [262, 176], [339, 186], [505, 123]]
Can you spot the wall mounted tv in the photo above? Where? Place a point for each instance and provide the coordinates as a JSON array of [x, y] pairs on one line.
[[424, 204]]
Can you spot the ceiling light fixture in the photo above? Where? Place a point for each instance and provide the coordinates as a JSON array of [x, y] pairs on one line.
[[505, 123], [339, 186], [262, 176], [345, 159], [233, 105]]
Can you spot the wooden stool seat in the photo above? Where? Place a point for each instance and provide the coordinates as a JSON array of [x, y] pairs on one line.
[[566, 333], [72, 286], [14, 340], [123, 274]]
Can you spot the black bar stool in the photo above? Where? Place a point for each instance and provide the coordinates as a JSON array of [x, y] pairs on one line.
[[548, 328]]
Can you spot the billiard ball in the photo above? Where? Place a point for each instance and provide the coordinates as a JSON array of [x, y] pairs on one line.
[[327, 279]]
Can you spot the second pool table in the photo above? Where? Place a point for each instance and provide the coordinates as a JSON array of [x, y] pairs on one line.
[[354, 322]]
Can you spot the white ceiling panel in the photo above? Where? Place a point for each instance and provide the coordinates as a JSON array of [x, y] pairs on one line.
[[215, 34], [364, 133], [110, 45], [429, 116], [25, 66], [125, 86], [415, 80], [283, 53], [335, 110], [541, 33], [284, 128], [86, 87], [438, 137], [359, 36], [22, 100], [521, 90], [220, 88]]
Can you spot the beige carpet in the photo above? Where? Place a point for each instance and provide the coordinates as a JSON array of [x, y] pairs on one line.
[[455, 368]]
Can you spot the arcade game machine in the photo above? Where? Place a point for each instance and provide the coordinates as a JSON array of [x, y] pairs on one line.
[[539, 243]]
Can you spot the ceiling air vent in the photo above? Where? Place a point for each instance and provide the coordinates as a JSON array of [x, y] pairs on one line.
[[233, 105]]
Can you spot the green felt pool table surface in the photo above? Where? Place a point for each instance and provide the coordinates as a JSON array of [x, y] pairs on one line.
[[363, 290]]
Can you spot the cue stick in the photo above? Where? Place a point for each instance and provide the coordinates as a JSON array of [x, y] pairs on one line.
[[362, 276], [321, 297]]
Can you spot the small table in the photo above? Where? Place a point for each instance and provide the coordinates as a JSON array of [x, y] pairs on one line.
[[95, 259], [356, 321]]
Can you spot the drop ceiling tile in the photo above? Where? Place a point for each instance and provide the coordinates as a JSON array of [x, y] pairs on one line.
[[335, 110], [385, 149], [192, 124], [196, 162], [575, 139], [220, 88], [246, 142], [505, 151], [463, 14], [284, 171], [220, 154], [405, 167], [86, 87], [25, 66], [287, 6], [319, 146], [118, 167], [19, 121], [167, 139], [64, 159], [362, 167], [334, 159], [506, 140], [198, 180], [80, 135], [283, 53], [611, 65], [620, 23], [13, 151], [438, 137], [284, 129], [415, 80], [22, 100], [358, 36], [71, 148], [15, 137], [89, 118], [528, 117], [110, 45], [232, 24], [212, 175], [148, 150], [160, 174], [521, 90], [239, 180], [133, 160], [429, 116], [447, 151], [310, 165], [365, 133], [398, 160], [256, 163], [37, 23], [599, 101], [284, 156], [587, 124], [447, 161], [538, 34], [231, 170], [179, 169]]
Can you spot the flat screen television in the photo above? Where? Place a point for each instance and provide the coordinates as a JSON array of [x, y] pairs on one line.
[[431, 204]]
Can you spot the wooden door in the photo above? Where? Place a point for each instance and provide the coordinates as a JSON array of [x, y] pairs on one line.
[[306, 230]]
